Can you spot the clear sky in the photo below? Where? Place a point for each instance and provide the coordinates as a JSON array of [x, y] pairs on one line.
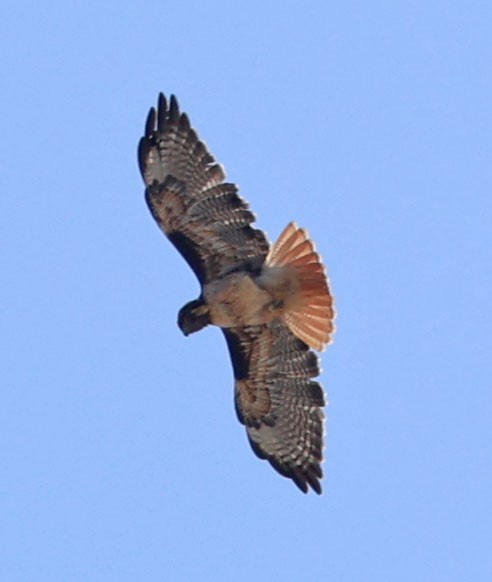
[[370, 124]]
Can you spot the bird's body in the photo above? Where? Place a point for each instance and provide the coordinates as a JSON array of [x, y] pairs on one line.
[[238, 301], [272, 303]]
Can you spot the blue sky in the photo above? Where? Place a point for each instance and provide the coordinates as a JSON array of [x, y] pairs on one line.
[[370, 124]]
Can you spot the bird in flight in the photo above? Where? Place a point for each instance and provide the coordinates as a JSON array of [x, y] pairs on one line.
[[272, 302]]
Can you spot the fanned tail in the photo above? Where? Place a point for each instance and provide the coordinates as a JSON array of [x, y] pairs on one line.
[[311, 315]]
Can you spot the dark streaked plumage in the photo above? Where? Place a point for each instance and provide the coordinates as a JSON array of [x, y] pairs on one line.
[[262, 300]]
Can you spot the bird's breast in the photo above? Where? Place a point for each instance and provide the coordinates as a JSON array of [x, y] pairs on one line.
[[236, 300]]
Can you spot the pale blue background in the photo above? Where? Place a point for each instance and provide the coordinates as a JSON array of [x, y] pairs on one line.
[[367, 122]]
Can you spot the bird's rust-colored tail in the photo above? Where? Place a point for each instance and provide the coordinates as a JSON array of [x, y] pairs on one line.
[[311, 315]]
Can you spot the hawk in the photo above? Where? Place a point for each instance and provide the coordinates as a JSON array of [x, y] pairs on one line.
[[272, 302]]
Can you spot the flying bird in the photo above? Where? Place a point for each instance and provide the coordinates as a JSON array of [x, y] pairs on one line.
[[272, 302]]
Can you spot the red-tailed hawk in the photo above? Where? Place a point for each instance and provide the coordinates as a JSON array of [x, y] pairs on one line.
[[272, 303]]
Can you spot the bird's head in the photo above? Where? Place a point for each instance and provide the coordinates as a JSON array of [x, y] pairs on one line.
[[193, 316]]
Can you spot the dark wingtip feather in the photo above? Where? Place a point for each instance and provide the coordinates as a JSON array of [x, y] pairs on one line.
[[162, 112], [173, 109], [150, 123], [184, 123], [312, 477], [306, 479], [143, 149], [299, 479]]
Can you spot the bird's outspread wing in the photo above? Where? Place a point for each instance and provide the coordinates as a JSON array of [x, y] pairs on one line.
[[203, 216], [277, 400]]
